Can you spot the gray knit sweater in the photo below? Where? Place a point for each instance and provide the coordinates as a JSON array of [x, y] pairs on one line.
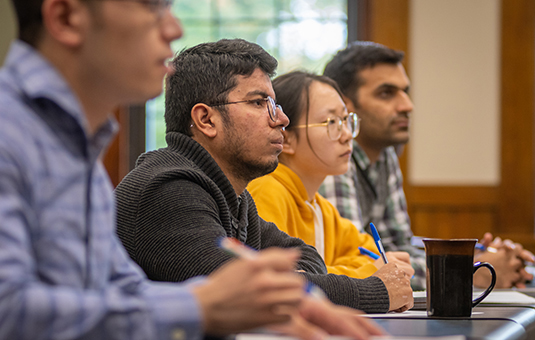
[[176, 204]]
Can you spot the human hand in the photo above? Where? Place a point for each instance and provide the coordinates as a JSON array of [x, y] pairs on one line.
[[487, 239], [523, 254], [398, 284], [508, 261], [249, 293], [318, 318], [400, 258]]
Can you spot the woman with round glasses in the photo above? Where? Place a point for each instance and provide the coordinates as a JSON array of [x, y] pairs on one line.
[[317, 143]]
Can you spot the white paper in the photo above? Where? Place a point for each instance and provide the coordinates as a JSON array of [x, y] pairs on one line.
[[255, 336], [506, 297], [419, 294], [495, 297], [406, 314], [413, 314]]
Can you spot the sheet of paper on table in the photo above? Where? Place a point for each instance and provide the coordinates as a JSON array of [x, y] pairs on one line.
[[495, 297], [412, 314], [506, 297], [257, 336]]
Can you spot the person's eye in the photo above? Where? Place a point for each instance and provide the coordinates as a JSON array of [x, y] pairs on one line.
[[258, 102], [387, 93], [331, 121]]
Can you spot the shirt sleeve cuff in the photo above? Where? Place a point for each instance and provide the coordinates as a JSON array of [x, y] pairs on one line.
[[175, 311]]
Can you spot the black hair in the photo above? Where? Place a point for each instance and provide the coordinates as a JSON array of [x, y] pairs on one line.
[[293, 94], [30, 20], [206, 73], [345, 66]]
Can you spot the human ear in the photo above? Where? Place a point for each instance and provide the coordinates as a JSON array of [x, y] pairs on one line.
[[65, 21], [290, 140], [205, 119]]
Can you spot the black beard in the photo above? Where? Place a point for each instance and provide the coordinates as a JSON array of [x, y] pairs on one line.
[[241, 167], [248, 170]]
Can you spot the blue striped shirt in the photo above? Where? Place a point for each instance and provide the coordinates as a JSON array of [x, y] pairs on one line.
[[63, 272]]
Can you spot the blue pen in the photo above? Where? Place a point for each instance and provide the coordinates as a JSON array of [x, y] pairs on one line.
[[369, 253], [378, 242]]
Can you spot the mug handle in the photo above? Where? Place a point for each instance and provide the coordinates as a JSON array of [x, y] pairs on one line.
[[478, 265]]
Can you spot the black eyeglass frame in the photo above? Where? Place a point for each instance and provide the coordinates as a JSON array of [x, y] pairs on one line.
[[273, 115]]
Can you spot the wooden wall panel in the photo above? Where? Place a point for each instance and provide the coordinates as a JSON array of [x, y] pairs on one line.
[[517, 96], [388, 24], [448, 223], [453, 211]]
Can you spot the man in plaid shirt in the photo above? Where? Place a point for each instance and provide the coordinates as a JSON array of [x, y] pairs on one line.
[[375, 85]]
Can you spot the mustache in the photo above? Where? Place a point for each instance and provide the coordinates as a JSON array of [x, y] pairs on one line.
[[401, 117]]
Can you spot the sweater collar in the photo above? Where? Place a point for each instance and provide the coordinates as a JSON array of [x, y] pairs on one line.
[[195, 152]]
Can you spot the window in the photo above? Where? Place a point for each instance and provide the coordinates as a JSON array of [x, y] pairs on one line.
[[301, 34]]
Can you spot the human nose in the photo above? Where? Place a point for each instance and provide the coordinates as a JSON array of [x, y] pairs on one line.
[[346, 133], [171, 26], [282, 118], [405, 104]]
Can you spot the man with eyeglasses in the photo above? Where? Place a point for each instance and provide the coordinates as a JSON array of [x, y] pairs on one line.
[[178, 202], [223, 130], [375, 85], [63, 272]]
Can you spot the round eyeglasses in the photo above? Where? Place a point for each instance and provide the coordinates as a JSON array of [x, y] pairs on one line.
[[334, 125], [267, 103]]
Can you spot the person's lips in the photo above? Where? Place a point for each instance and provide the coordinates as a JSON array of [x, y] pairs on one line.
[[401, 122], [278, 142], [346, 154]]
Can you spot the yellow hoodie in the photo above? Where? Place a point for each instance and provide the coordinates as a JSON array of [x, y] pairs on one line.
[[281, 198]]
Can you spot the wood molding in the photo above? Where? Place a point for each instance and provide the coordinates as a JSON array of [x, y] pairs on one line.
[[116, 159], [455, 196], [453, 211], [517, 109]]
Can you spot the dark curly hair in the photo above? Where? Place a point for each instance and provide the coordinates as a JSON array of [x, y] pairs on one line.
[[206, 73]]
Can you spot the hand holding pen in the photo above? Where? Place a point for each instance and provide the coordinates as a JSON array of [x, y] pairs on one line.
[[400, 258]]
